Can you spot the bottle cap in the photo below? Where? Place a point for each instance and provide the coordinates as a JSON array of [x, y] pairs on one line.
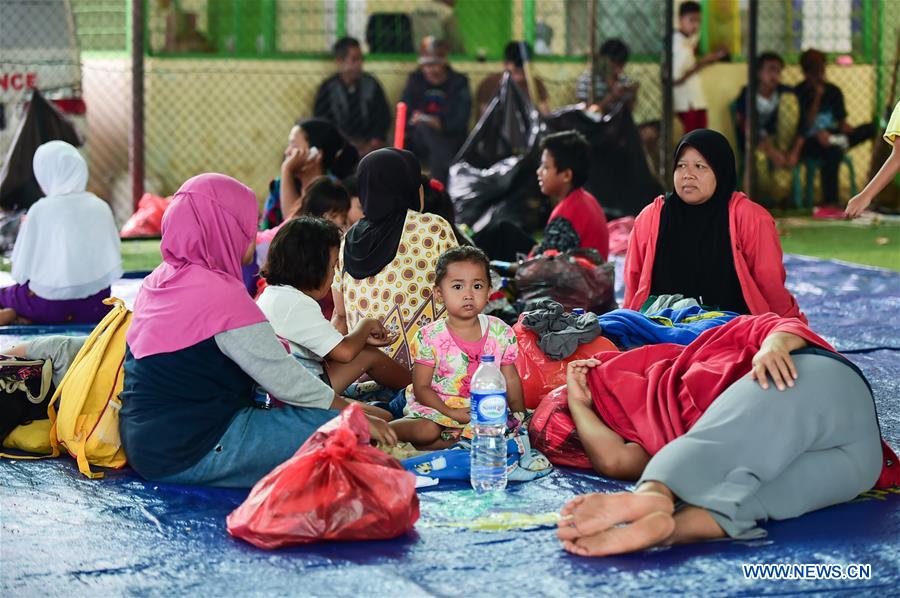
[[487, 359]]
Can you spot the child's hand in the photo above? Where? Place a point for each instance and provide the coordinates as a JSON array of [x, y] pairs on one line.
[[856, 205], [381, 432], [460, 415], [576, 381], [379, 336]]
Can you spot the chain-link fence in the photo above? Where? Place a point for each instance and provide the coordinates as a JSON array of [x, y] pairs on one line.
[[224, 80]]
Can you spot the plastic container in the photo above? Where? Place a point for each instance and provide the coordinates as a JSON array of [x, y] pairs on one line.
[[488, 456]]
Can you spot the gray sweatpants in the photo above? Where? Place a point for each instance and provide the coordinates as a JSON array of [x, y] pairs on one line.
[[60, 350], [768, 454]]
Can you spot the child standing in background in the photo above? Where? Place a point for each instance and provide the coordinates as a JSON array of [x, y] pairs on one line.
[[688, 99], [885, 175], [299, 270], [448, 352]]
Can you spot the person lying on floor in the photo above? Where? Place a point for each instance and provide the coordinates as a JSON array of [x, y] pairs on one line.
[[299, 270], [706, 240], [67, 254], [197, 347], [448, 351], [715, 448]]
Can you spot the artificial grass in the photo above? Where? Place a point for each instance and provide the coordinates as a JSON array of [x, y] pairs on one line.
[[876, 244], [143, 255]]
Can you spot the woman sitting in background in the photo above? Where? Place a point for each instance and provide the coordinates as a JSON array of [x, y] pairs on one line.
[[315, 148], [67, 253], [388, 259], [706, 240]]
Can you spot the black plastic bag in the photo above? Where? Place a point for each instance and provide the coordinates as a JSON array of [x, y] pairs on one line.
[[493, 175], [575, 278], [619, 178], [42, 123]]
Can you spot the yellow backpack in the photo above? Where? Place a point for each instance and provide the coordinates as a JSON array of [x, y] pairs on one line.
[[87, 424]]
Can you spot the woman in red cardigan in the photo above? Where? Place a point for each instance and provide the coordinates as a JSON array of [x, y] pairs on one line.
[[707, 241]]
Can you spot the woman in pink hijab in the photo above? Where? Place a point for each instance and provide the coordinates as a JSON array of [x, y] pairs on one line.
[[199, 350]]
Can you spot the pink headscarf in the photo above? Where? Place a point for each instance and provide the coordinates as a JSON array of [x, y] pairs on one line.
[[197, 292]]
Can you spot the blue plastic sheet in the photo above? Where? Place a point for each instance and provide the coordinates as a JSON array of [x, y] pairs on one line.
[[63, 533]]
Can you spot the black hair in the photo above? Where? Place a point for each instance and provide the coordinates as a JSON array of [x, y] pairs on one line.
[[616, 50], [323, 195], [437, 201], [570, 151], [351, 184], [300, 253], [765, 57], [339, 156], [513, 53], [344, 45], [464, 253], [688, 8], [810, 59]]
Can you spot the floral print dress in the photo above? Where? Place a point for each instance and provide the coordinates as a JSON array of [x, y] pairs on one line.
[[455, 361]]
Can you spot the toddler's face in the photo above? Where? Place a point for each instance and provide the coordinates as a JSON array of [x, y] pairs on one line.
[[553, 182], [465, 289]]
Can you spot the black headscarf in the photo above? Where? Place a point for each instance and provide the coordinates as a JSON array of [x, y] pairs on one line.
[[693, 251], [389, 181]]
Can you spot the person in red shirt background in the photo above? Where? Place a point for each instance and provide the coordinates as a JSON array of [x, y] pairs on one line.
[[578, 220]]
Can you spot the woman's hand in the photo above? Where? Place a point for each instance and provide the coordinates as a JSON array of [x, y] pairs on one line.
[[576, 381], [381, 432], [774, 359]]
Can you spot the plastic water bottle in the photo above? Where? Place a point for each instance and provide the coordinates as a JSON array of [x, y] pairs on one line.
[[488, 458]]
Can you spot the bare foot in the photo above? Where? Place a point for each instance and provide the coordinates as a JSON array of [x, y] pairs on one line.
[[594, 513], [650, 530], [7, 316]]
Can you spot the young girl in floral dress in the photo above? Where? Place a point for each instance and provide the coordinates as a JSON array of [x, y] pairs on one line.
[[447, 353]]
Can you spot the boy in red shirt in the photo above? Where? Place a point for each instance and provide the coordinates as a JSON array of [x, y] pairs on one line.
[[577, 220]]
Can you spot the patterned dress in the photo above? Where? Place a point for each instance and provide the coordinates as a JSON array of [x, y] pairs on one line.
[[455, 361], [401, 295]]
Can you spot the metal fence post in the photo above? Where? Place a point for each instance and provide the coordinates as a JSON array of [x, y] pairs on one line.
[[752, 136], [665, 125], [136, 143]]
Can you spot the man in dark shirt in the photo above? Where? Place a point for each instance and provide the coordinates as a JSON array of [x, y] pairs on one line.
[[353, 100], [769, 93], [822, 130], [514, 64], [438, 104]]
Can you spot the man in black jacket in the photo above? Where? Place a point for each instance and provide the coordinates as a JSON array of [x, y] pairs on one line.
[[353, 100], [438, 104]]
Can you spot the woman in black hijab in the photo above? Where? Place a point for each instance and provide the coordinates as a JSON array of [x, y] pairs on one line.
[[707, 241], [388, 258]]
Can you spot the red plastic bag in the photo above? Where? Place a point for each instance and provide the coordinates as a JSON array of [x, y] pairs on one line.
[[539, 373], [552, 431], [147, 220], [335, 487]]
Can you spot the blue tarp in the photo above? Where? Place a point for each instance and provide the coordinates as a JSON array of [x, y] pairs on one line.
[[63, 533]]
